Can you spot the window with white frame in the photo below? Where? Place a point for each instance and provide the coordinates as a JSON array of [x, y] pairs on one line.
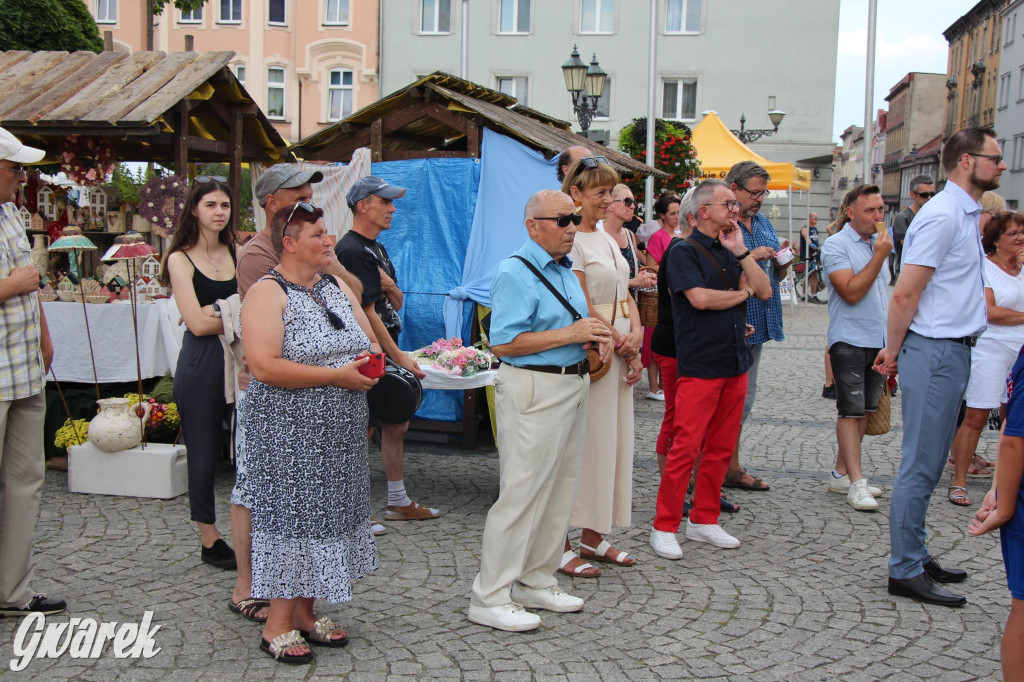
[[1018, 152], [604, 102], [683, 16], [514, 16], [277, 13], [240, 73], [597, 16], [275, 92], [190, 16], [436, 16], [336, 12], [1020, 85], [230, 12], [1010, 24], [106, 11], [516, 86], [679, 99], [1004, 90], [339, 94]]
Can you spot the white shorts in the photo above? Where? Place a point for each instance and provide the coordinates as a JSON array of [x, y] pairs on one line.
[[991, 361]]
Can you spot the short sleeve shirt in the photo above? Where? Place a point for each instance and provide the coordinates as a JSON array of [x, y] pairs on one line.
[[710, 344], [944, 236], [255, 258], [862, 323], [362, 257], [521, 303], [21, 357], [766, 316], [1015, 427]]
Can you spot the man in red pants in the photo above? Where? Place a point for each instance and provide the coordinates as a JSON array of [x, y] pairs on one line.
[[711, 276]]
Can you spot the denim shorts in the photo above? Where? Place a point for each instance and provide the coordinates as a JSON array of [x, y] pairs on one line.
[[858, 386], [1013, 561], [240, 494]]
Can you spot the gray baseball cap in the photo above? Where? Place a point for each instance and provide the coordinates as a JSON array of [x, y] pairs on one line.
[[283, 176], [371, 184]]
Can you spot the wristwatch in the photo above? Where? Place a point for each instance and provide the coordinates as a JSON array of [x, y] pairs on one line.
[[216, 310], [743, 255]]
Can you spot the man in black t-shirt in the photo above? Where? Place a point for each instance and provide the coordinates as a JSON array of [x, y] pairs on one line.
[[372, 202]]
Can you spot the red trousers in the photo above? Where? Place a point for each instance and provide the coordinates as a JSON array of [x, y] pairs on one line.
[[669, 369], [710, 412]]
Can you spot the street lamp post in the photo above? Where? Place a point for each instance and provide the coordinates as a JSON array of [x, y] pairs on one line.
[[586, 85], [748, 136]]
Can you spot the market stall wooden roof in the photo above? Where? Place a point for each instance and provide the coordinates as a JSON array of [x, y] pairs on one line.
[[151, 105], [440, 115]]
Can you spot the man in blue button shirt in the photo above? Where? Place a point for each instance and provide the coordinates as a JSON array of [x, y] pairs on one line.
[[540, 402], [937, 311], [857, 305]]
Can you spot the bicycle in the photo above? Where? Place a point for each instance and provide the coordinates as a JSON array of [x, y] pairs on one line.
[[806, 268]]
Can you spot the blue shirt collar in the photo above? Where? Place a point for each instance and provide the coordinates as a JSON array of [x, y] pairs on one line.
[[853, 235], [962, 198], [541, 257]]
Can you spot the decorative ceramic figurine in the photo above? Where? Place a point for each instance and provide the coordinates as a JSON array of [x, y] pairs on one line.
[[40, 258], [117, 427]]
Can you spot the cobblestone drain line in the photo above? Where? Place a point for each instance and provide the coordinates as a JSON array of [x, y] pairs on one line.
[[802, 599]]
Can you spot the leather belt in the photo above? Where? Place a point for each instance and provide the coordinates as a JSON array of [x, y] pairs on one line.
[[580, 369], [969, 341]]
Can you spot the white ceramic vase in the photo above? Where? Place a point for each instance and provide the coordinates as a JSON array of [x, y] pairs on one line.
[[117, 427]]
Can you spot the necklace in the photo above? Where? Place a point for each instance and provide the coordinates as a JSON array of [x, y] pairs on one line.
[[1006, 268], [216, 263]]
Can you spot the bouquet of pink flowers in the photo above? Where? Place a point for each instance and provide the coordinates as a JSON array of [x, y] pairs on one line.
[[455, 359]]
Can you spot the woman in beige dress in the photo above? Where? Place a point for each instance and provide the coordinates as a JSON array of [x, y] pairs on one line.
[[605, 495]]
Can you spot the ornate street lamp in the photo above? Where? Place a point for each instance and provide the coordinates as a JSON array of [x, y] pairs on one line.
[[584, 84], [748, 136]]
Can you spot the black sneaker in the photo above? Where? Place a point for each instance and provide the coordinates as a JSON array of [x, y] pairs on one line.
[[39, 604], [829, 392], [220, 555]]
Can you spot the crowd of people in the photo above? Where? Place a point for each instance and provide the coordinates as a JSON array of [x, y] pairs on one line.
[[566, 326]]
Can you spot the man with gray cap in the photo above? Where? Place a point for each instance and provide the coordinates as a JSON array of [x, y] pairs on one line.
[[372, 202], [25, 356]]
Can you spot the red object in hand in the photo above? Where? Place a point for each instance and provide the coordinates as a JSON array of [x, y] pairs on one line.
[[374, 369]]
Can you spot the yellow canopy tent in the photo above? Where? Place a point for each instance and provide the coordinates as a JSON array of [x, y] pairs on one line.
[[718, 150]]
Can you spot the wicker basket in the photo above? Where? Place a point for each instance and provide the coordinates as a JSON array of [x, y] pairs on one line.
[[879, 420], [66, 296], [47, 298], [96, 298], [647, 303]]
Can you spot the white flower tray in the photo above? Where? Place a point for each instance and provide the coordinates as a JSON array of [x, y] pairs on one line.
[[159, 471]]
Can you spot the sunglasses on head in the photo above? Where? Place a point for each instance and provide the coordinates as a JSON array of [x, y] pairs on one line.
[[306, 206], [563, 220], [592, 161], [203, 179]]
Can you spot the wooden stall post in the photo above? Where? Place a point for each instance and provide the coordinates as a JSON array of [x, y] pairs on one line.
[[235, 164], [181, 139]]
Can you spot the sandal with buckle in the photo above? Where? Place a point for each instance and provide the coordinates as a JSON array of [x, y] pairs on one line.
[[734, 479], [584, 570], [983, 463], [278, 648], [600, 554], [957, 494], [321, 634], [248, 608], [410, 512]]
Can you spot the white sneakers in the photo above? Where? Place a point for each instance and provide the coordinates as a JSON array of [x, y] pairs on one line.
[[552, 598], [510, 617], [710, 533], [842, 486], [665, 544], [659, 396], [860, 498]]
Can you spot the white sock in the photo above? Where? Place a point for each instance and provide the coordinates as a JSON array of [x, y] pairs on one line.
[[397, 496]]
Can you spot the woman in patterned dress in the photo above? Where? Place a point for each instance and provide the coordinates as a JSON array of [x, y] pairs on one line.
[[305, 338]]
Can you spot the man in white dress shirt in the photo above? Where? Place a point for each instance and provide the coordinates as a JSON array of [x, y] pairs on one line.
[[936, 314]]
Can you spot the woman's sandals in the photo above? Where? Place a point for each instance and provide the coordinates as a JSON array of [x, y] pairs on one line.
[[278, 648], [600, 554], [958, 495], [322, 633], [584, 570]]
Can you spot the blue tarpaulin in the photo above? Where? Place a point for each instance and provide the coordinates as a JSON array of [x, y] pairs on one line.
[[427, 243]]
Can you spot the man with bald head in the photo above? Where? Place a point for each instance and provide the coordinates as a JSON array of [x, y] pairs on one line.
[[568, 157], [540, 401]]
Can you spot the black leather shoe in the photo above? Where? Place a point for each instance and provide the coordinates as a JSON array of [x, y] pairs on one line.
[[220, 555], [943, 575], [923, 589], [39, 604]]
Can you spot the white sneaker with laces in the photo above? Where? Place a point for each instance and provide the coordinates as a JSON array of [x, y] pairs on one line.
[[510, 617], [665, 544], [859, 497], [842, 486], [552, 598], [659, 396], [710, 533]]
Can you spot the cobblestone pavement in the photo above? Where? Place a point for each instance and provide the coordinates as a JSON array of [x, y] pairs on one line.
[[803, 598]]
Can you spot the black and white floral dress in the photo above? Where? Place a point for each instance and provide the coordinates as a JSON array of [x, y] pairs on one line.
[[307, 459]]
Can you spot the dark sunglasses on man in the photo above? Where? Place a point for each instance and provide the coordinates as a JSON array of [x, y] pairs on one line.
[[926, 195], [563, 220]]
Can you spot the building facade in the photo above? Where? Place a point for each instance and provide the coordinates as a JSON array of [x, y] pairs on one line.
[[307, 63], [973, 68], [723, 55], [914, 119], [1010, 103]]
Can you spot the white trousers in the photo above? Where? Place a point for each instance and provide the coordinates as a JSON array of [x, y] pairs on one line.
[[540, 419]]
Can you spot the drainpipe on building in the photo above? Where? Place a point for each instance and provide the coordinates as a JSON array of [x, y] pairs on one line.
[[651, 67], [464, 72], [380, 51], [869, 87]]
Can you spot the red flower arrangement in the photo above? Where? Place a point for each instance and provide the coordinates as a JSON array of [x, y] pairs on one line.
[[74, 148], [673, 153]]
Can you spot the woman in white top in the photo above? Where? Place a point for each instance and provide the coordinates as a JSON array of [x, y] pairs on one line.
[[997, 349]]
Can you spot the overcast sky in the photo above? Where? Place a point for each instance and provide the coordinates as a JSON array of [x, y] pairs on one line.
[[909, 38]]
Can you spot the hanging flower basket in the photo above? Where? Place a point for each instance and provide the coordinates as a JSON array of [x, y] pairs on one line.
[[87, 160], [162, 201]]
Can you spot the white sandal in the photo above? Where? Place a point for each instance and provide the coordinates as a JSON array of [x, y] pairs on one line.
[[600, 555], [568, 556]]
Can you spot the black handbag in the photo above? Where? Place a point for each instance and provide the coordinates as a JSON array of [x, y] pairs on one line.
[[396, 396]]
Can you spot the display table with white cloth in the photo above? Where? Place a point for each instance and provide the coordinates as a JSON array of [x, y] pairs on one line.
[[113, 340]]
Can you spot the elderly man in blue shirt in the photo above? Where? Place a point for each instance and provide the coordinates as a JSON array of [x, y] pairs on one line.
[[937, 312], [857, 306], [540, 403], [749, 182]]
